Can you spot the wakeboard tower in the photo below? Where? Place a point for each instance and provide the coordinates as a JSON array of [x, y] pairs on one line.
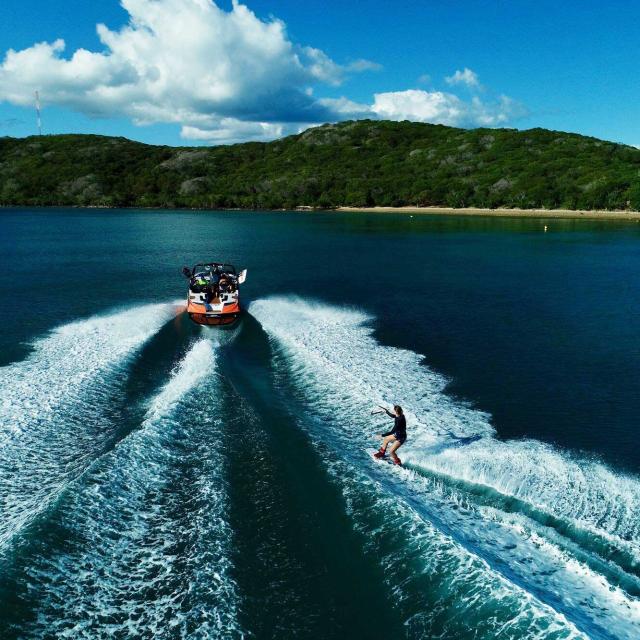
[[213, 298]]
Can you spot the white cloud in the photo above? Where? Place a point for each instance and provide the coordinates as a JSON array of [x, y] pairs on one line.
[[223, 76], [415, 104], [363, 65], [425, 78], [435, 107], [439, 107], [182, 61], [326, 70], [322, 67], [230, 130], [466, 77], [347, 108]]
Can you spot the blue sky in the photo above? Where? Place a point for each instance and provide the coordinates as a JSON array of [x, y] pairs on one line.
[[189, 74]]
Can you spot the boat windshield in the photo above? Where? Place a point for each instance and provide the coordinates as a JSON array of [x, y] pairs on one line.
[[208, 269]]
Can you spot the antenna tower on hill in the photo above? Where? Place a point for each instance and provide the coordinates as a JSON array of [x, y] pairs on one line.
[[39, 118]]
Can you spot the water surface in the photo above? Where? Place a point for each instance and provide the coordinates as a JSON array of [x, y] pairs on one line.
[[162, 480]]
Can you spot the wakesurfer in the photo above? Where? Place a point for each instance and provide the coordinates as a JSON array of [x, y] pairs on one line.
[[396, 437]]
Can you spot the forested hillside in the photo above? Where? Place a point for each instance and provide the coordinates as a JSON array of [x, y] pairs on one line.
[[359, 163]]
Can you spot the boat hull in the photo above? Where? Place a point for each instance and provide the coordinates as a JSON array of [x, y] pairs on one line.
[[215, 320], [205, 315]]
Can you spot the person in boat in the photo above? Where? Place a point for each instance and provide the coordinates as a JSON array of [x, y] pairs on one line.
[[206, 284], [232, 282], [396, 437], [198, 283], [213, 291]]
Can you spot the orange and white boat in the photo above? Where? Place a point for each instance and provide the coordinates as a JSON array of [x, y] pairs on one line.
[[213, 298]]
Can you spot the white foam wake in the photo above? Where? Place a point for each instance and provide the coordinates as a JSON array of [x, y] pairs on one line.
[[338, 347], [588, 493], [440, 589], [147, 545], [341, 371], [53, 406]]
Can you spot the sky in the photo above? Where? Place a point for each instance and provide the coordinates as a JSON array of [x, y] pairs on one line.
[[189, 72]]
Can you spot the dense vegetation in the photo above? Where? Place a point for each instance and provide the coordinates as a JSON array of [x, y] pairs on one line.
[[362, 163]]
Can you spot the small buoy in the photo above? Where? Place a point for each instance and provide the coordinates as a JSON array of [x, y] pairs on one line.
[[545, 228]]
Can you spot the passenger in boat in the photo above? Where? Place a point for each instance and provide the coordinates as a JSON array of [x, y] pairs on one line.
[[213, 291], [214, 286], [396, 437], [198, 283]]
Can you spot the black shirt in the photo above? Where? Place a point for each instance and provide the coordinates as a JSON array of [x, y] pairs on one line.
[[399, 428]]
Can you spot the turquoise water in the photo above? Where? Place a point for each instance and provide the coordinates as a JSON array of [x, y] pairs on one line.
[[161, 480]]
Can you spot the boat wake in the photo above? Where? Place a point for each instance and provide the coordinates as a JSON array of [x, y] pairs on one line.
[[127, 530], [143, 544], [556, 532], [55, 407]]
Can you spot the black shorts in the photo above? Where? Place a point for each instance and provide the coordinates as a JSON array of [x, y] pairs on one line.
[[400, 440]]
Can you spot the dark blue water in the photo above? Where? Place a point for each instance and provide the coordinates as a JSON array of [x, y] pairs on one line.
[[162, 480]]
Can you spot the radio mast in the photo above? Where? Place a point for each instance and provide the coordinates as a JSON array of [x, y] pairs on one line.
[[38, 117]]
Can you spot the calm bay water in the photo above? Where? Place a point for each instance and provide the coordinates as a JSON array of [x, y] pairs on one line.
[[162, 480]]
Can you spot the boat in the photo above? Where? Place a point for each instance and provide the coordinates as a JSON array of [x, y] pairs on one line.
[[213, 298]]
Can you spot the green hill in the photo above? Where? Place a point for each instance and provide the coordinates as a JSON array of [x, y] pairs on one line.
[[360, 163]]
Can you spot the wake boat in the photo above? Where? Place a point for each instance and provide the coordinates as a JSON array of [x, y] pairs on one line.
[[214, 293]]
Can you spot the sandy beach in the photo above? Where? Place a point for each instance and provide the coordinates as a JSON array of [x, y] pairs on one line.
[[503, 213]]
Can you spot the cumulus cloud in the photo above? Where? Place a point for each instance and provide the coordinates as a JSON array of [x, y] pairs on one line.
[[322, 67], [346, 108], [222, 76], [466, 77], [182, 61], [439, 107], [230, 130]]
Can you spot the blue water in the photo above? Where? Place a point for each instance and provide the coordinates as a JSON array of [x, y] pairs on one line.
[[162, 480]]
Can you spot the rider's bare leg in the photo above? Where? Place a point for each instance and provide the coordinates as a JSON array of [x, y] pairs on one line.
[[394, 447], [386, 442]]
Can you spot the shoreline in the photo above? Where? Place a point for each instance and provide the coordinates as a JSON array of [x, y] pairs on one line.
[[502, 213], [568, 214]]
